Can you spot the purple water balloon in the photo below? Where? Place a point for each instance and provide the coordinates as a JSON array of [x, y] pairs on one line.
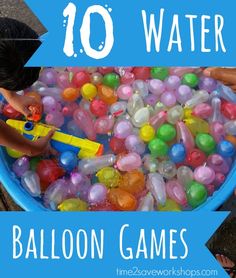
[[151, 99], [123, 129], [218, 163], [76, 178], [48, 76], [97, 194], [183, 94], [21, 165], [50, 104], [54, 92], [134, 144], [168, 99], [56, 193], [156, 87], [81, 184], [207, 83], [172, 82]]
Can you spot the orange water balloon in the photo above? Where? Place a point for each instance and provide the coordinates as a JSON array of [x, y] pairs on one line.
[[133, 182], [107, 94], [70, 94], [122, 199]]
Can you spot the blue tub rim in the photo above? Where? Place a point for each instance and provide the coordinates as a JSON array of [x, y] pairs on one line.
[[12, 184]]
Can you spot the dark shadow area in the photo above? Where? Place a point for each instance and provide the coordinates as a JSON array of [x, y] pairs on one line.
[[223, 242]]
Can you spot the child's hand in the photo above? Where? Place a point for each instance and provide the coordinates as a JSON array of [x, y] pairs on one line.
[[225, 75], [18, 102], [11, 138], [22, 104], [42, 146]]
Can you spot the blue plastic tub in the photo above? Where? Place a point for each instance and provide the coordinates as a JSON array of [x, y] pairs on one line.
[[28, 203]]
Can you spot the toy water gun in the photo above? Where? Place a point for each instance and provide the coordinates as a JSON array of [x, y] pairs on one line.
[[60, 140]]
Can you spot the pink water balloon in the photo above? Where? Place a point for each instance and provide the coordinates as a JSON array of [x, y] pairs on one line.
[[84, 121], [124, 92], [180, 71], [55, 119], [104, 125], [69, 109], [63, 80], [159, 119], [219, 179], [184, 136], [129, 162], [203, 110], [128, 78], [204, 175], [217, 131], [176, 192]]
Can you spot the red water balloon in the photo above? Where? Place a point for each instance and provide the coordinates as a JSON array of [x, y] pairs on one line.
[[81, 78], [196, 158]]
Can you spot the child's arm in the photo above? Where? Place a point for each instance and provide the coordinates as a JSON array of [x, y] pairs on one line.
[[11, 138], [18, 102], [225, 75]]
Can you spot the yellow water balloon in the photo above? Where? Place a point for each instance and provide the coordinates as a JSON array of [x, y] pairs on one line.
[[13, 153], [109, 176], [74, 204], [147, 133], [170, 205], [197, 125], [89, 91]]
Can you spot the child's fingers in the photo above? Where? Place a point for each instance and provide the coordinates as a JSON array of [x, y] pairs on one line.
[[26, 112], [219, 259], [224, 261], [48, 137], [233, 88], [224, 75], [52, 151], [226, 83]]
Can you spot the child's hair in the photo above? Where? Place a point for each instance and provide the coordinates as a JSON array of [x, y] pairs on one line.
[[18, 42]]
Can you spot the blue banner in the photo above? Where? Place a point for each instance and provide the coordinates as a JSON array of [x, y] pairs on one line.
[[136, 33], [108, 244]]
